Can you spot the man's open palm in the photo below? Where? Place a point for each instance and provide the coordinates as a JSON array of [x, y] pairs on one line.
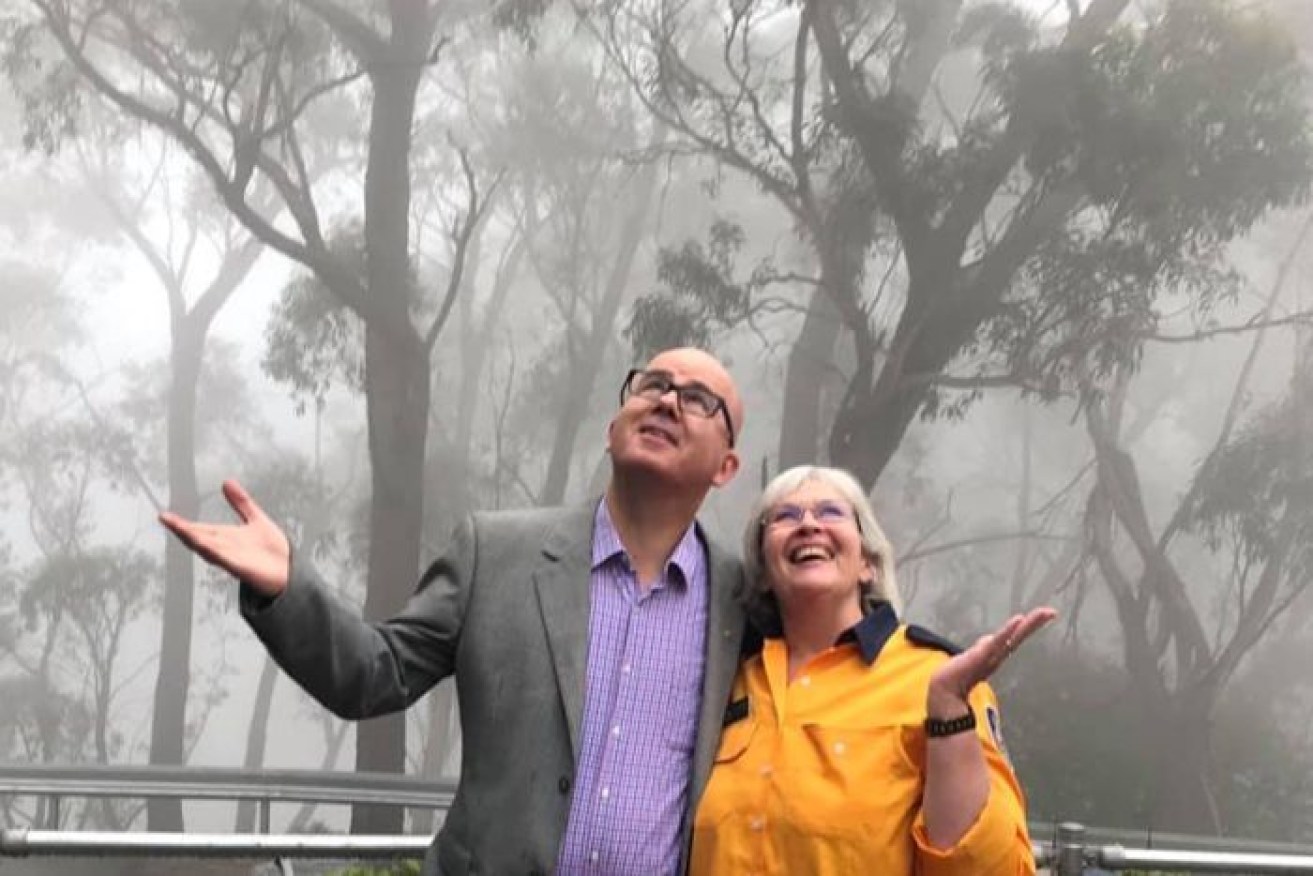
[[255, 551]]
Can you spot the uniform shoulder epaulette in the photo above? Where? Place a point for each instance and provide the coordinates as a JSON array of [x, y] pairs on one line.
[[926, 639]]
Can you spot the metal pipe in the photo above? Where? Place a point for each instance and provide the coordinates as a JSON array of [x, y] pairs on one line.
[[217, 783], [20, 842], [1179, 861], [1071, 849]]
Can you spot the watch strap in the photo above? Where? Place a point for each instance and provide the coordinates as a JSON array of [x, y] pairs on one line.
[[937, 728]]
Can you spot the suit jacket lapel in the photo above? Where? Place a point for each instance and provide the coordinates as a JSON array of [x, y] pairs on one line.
[[724, 639], [562, 582]]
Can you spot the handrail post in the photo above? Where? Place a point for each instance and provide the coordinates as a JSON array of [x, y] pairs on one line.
[[1071, 849]]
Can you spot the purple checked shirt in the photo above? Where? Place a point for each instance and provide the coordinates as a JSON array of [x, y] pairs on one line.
[[644, 683]]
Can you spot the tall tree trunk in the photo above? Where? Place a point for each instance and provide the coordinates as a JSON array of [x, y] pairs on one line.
[[811, 362], [476, 345], [885, 397], [328, 763], [1182, 799], [169, 717], [1021, 565], [397, 381], [257, 735], [586, 363]]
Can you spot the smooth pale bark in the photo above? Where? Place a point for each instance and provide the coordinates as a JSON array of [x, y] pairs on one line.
[[188, 331], [810, 365], [257, 737], [585, 365], [169, 717], [397, 380]]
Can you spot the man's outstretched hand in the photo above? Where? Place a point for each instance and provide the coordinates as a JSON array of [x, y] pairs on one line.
[[255, 551]]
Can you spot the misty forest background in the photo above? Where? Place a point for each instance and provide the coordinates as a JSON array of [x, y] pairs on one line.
[[1037, 273]]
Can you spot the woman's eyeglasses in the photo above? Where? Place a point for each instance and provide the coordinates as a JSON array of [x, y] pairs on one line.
[[788, 514]]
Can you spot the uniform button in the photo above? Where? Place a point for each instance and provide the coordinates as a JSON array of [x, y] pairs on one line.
[[626, 669], [595, 856], [805, 681], [766, 770], [564, 784], [840, 747], [757, 822], [615, 731], [606, 793]]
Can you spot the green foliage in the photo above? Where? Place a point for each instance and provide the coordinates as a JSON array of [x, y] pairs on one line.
[[999, 30], [521, 17], [699, 298], [94, 585], [313, 341], [224, 54], [1260, 484], [45, 83], [1179, 136]]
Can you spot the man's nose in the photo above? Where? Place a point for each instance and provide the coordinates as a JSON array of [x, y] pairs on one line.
[[670, 399]]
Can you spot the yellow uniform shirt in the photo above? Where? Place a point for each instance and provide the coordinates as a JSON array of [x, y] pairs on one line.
[[824, 775]]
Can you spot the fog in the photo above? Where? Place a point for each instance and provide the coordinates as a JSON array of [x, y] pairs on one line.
[[1042, 285]]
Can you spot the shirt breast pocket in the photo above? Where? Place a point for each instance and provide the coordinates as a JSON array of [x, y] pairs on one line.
[[852, 780]]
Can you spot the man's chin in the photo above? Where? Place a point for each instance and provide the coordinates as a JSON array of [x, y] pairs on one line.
[[648, 466]]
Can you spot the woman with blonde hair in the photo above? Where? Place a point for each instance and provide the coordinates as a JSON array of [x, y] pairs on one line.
[[854, 743]]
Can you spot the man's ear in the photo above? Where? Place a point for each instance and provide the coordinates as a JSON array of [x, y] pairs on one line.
[[729, 466]]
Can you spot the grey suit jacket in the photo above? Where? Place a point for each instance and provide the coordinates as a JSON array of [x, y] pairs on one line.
[[506, 610]]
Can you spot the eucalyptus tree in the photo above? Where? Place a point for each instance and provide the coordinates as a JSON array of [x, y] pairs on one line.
[[267, 91], [72, 597], [967, 236], [173, 223], [584, 157]]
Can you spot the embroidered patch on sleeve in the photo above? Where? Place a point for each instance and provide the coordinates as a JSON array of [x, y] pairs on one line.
[[995, 721]]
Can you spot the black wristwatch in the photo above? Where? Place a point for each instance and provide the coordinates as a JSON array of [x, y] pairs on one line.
[[937, 728]]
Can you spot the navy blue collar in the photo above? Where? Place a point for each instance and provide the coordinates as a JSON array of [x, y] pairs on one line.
[[872, 631]]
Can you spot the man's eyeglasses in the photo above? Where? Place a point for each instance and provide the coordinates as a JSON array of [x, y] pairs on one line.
[[787, 514], [693, 398]]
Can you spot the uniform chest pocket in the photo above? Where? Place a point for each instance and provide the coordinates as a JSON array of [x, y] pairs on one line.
[[851, 780]]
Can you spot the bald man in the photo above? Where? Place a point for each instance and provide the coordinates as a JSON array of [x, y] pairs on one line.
[[593, 647]]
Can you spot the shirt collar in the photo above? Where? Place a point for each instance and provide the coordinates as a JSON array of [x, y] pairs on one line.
[[686, 559], [872, 631]]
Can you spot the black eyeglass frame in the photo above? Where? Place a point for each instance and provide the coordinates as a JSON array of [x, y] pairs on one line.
[[626, 390]]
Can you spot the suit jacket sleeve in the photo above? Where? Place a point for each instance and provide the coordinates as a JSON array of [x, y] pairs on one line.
[[358, 669]]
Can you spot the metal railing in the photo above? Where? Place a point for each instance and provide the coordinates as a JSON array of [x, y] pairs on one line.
[[264, 787], [1068, 854], [1071, 855], [22, 842]]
